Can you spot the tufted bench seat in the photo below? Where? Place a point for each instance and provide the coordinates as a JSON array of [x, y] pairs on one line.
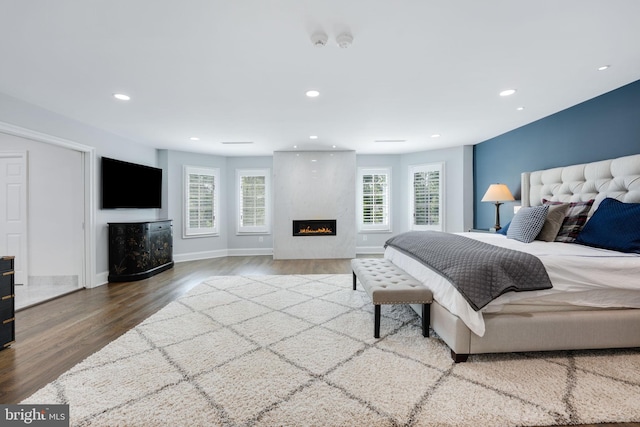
[[387, 284]]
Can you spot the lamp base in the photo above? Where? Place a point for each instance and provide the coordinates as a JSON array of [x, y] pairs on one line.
[[497, 226]]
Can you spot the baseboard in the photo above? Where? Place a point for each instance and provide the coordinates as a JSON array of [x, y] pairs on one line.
[[195, 256], [250, 252]]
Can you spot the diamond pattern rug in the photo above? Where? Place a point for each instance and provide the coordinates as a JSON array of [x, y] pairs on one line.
[[298, 350]]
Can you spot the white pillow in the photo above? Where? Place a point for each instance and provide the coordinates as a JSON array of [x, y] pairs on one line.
[[527, 223]]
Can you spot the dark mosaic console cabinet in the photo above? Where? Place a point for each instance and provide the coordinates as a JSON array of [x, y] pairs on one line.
[[7, 302], [138, 250]]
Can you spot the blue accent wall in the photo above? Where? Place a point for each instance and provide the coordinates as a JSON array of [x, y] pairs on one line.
[[604, 127]]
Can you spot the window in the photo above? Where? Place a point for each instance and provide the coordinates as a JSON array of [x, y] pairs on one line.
[[374, 186], [426, 210], [201, 201], [253, 189]]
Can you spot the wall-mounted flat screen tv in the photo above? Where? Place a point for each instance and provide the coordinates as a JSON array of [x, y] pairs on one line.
[[129, 185]]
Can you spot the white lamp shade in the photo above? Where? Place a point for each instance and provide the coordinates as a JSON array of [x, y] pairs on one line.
[[498, 193]]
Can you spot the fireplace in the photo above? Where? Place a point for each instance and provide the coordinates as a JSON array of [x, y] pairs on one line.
[[314, 227]]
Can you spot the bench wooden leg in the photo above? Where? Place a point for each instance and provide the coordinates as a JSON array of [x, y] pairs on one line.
[[376, 321], [426, 317], [354, 280]]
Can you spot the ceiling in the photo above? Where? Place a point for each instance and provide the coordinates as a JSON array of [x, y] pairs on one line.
[[237, 71]]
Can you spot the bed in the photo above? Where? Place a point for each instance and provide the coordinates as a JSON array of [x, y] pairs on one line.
[[594, 300]]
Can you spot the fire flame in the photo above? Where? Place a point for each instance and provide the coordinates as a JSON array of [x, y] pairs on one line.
[[308, 230]]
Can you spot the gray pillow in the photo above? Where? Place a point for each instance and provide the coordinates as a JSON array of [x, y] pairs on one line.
[[553, 222], [527, 223]]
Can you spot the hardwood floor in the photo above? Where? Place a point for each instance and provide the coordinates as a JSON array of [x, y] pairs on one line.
[[54, 336]]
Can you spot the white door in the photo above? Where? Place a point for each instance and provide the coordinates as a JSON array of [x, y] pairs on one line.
[[13, 211]]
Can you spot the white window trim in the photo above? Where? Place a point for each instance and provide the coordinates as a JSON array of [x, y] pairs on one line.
[[265, 229], [189, 232], [373, 228], [427, 168]]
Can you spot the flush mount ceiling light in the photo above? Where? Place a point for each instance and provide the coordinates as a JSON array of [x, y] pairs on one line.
[[194, 138], [313, 137], [389, 140], [508, 92], [435, 135], [121, 96], [344, 40], [520, 108], [312, 93], [604, 67], [236, 142]]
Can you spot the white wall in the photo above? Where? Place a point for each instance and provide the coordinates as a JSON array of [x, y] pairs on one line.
[[314, 185]]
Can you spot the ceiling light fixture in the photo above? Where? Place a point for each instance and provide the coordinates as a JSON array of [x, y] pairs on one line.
[[508, 92], [236, 142], [194, 138], [389, 140], [344, 40], [604, 67], [312, 93], [121, 96], [313, 137], [435, 135], [520, 108]]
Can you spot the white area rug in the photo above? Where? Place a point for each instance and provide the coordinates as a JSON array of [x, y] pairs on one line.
[[299, 351]]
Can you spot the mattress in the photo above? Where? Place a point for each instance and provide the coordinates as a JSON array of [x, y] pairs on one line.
[[581, 276]]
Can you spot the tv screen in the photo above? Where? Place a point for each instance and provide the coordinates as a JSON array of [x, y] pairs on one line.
[[129, 185]]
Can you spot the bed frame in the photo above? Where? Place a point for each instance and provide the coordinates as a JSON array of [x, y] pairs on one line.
[[556, 330]]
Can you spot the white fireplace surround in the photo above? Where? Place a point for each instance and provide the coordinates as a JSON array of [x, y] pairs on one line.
[[311, 185]]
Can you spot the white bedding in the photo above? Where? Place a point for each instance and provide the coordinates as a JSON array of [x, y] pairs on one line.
[[581, 276]]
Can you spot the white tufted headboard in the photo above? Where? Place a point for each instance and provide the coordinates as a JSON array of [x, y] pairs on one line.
[[617, 178]]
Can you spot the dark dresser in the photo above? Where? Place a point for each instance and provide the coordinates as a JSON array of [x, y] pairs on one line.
[[138, 250], [7, 302]]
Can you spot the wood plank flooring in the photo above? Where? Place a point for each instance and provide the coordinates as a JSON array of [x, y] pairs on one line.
[[54, 336]]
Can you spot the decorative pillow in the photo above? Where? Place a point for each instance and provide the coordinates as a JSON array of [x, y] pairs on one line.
[[527, 223], [574, 220], [553, 222], [504, 229], [614, 225]]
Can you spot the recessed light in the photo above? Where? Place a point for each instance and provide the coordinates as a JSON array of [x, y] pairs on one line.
[[312, 93], [507, 92], [435, 135], [295, 146], [520, 108], [314, 160], [194, 138], [333, 146], [313, 137], [121, 96], [604, 67]]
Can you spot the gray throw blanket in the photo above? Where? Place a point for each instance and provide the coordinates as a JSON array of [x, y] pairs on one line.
[[479, 271]]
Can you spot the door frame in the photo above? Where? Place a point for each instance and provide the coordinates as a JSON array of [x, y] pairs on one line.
[[88, 171]]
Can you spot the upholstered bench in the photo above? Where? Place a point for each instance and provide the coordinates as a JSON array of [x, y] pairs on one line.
[[387, 284]]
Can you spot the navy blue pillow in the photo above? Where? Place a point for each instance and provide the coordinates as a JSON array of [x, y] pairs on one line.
[[614, 225], [504, 229]]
